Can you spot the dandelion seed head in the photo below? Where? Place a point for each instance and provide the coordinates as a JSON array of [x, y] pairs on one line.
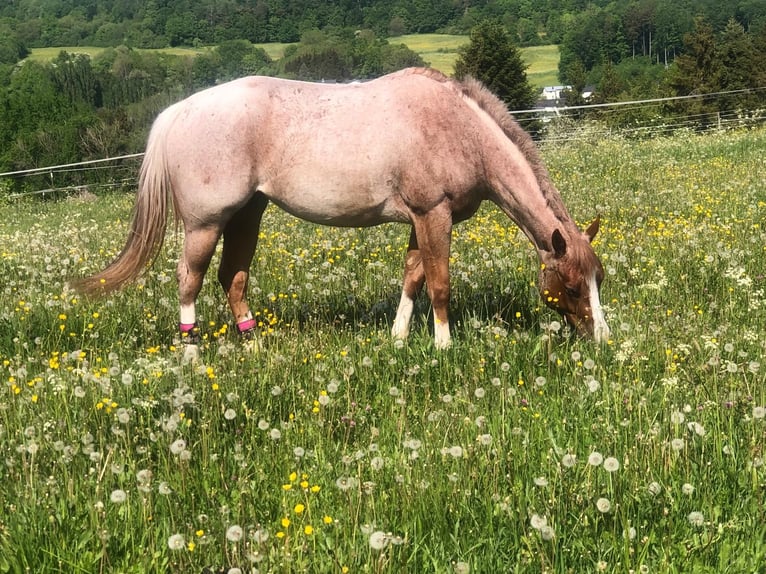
[[687, 489], [178, 446], [677, 444], [379, 540], [176, 542], [234, 533], [595, 458], [537, 521], [611, 464], [118, 496], [696, 518], [603, 505], [569, 460], [456, 451]]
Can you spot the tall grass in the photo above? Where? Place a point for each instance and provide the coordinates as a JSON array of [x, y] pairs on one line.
[[335, 449]]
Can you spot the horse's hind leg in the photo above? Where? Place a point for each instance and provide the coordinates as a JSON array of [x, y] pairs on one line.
[[240, 237], [199, 245], [414, 277]]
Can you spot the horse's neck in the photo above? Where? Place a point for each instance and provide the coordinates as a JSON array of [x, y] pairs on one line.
[[534, 206]]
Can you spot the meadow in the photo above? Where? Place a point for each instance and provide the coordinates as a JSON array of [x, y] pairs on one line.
[[334, 449]]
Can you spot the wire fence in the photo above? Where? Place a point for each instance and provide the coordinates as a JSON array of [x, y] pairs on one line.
[[560, 125]]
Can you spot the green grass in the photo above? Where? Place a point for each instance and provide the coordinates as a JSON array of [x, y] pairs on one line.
[[472, 457], [47, 54], [543, 62]]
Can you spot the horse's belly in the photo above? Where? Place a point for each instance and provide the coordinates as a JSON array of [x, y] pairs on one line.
[[338, 207]]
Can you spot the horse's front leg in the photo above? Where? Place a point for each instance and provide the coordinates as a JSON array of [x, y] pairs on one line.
[[433, 231], [199, 245], [240, 237], [414, 277]]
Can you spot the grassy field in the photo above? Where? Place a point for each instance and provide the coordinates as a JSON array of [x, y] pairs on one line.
[[438, 50], [335, 449]]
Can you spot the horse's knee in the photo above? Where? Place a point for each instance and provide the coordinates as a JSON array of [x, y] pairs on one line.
[[439, 294]]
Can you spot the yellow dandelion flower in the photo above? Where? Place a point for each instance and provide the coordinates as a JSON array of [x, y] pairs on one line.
[[308, 530], [285, 522], [299, 508], [327, 519]]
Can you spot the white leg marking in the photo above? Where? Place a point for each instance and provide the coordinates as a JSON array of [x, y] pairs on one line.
[[441, 334], [600, 328], [401, 328], [188, 314]]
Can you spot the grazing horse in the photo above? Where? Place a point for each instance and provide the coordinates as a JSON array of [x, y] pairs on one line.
[[412, 147]]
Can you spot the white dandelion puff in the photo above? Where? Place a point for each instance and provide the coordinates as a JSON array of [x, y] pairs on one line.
[[696, 518], [178, 446], [234, 533], [537, 522], [379, 540], [603, 505], [118, 496], [569, 460], [176, 542]]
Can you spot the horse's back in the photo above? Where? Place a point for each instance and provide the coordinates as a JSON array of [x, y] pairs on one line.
[[340, 154]]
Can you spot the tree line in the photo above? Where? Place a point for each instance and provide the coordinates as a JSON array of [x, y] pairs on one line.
[[589, 29]]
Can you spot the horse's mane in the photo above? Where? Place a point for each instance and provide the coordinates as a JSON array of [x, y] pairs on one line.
[[494, 107]]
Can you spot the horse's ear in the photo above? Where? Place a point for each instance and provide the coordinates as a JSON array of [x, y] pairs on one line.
[[559, 244], [593, 228]]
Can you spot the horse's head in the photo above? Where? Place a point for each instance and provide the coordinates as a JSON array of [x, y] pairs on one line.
[[569, 282]]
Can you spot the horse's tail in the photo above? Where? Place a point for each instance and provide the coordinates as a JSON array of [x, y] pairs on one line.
[[150, 214]]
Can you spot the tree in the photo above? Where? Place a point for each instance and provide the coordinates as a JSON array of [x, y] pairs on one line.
[[697, 71], [493, 58]]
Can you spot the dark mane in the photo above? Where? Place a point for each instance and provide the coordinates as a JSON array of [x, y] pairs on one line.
[[497, 110]]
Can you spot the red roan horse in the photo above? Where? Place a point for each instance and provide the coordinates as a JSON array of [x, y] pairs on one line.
[[412, 147]]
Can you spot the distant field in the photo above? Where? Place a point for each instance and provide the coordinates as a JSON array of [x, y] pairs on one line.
[[543, 62], [44, 54], [438, 50]]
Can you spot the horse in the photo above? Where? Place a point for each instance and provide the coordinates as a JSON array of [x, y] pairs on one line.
[[412, 147]]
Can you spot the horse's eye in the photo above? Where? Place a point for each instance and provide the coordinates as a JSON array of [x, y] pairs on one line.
[[573, 292]]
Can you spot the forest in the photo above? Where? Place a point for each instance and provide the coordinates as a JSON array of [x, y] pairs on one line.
[[77, 107]]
